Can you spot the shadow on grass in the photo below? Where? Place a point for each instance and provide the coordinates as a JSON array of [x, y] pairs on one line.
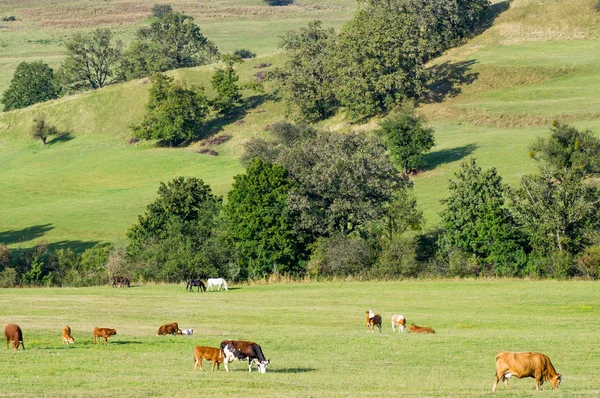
[[124, 342], [24, 235], [438, 158], [292, 370], [492, 13], [60, 138], [447, 79]]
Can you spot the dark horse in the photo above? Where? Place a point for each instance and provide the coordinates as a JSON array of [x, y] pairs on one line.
[[195, 282]]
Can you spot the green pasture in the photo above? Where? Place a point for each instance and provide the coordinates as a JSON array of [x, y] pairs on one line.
[[313, 333]]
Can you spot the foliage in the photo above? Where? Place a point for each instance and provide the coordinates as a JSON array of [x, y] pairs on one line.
[[32, 82], [477, 222], [397, 259], [401, 214], [244, 53], [342, 182], [307, 77], [285, 134], [8, 277], [42, 130], [9, 18], [91, 59], [259, 222], [341, 256], [224, 83], [170, 42], [558, 208], [5, 255], [407, 139], [159, 10], [36, 266], [174, 112]]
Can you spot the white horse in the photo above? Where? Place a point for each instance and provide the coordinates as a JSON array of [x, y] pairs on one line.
[[219, 282]]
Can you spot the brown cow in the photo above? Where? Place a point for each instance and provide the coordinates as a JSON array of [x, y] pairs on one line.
[[104, 333], [169, 328], [66, 335], [420, 329], [373, 320], [13, 333], [208, 353], [525, 364]]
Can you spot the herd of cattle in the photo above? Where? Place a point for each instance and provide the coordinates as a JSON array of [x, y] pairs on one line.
[[508, 364]]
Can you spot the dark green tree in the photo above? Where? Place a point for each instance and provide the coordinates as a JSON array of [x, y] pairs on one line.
[[407, 139], [91, 59], [260, 224], [224, 83], [42, 130], [307, 78], [559, 207], [170, 42], [477, 221], [174, 113], [32, 82], [159, 10]]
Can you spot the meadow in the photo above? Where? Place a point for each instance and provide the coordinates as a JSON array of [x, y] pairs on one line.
[[313, 333]]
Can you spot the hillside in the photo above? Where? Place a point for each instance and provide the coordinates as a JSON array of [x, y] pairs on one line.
[[537, 62]]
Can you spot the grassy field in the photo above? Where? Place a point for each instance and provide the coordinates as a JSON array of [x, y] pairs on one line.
[[537, 62], [313, 333]]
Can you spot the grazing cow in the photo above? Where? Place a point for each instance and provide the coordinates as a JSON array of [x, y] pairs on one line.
[[420, 329], [187, 332], [373, 320], [169, 328], [195, 282], [525, 364], [219, 282], [120, 281], [210, 354], [104, 333], [66, 335], [13, 333], [242, 350], [398, 321]]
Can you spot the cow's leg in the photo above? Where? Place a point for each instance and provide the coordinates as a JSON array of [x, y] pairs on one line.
[[105, 340], [379, 326], [225, 363], [7, 343], [250, 364], [22, 345], [393, 327], [496, 380]]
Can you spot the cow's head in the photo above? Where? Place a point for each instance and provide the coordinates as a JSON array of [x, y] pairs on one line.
[[555, 381], [262, 365]]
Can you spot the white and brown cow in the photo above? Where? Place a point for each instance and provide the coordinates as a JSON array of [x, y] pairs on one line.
[[242, 350], [398, 321]]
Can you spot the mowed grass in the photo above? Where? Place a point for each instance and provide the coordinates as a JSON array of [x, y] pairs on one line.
[[313, 333]]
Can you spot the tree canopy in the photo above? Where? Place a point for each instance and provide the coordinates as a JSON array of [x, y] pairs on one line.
[[32, 82]]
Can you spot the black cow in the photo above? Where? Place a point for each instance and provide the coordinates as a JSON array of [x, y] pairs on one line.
[[242, 350], [120, 281], [195, 282]]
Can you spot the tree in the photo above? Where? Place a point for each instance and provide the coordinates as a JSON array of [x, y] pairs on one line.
[[407, 139], [559, 207], [42, 130], [91, 59], [172, 41], [307, 79], [224, 83], [174, 112], [32, 82], [477, 221], [159, 10], [341, 182], [260, 224]]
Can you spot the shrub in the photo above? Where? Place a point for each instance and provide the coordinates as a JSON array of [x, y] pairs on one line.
[[588, 263], [340, 256], [9, 18], [5, 255], [8, 277], [42, 130], [279, 2], [398, 258], [159, 10], [244, 53]]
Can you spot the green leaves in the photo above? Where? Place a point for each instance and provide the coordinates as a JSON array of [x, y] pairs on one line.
[[32, 82]]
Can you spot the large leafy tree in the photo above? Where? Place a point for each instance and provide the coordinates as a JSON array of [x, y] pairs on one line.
[[560, 207], [407, 139], [260, 224], [170, 42], [91, 59], [307, 78], [32, 82], [477, 221], [174, 112], [224, 83]]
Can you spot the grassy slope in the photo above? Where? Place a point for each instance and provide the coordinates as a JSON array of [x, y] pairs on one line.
[[538, 62], [313, 333]]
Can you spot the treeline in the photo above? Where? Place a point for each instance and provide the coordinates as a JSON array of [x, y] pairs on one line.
[[319, 204]]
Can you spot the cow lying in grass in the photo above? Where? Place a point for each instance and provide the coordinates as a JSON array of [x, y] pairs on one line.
[[14, 334], [103, 333], [420, 329], [373, 320], [525, 364], [66, 335], [169, 328], [209, 354]]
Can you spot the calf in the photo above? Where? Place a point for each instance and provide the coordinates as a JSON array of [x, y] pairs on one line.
[[13, 333], [66, 335], [373, 320], [242, 350], [120, 281], [104, 333], [210, 354], [187, 332], [420, 329], [525, 364], [169, 328], [398, 321]]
